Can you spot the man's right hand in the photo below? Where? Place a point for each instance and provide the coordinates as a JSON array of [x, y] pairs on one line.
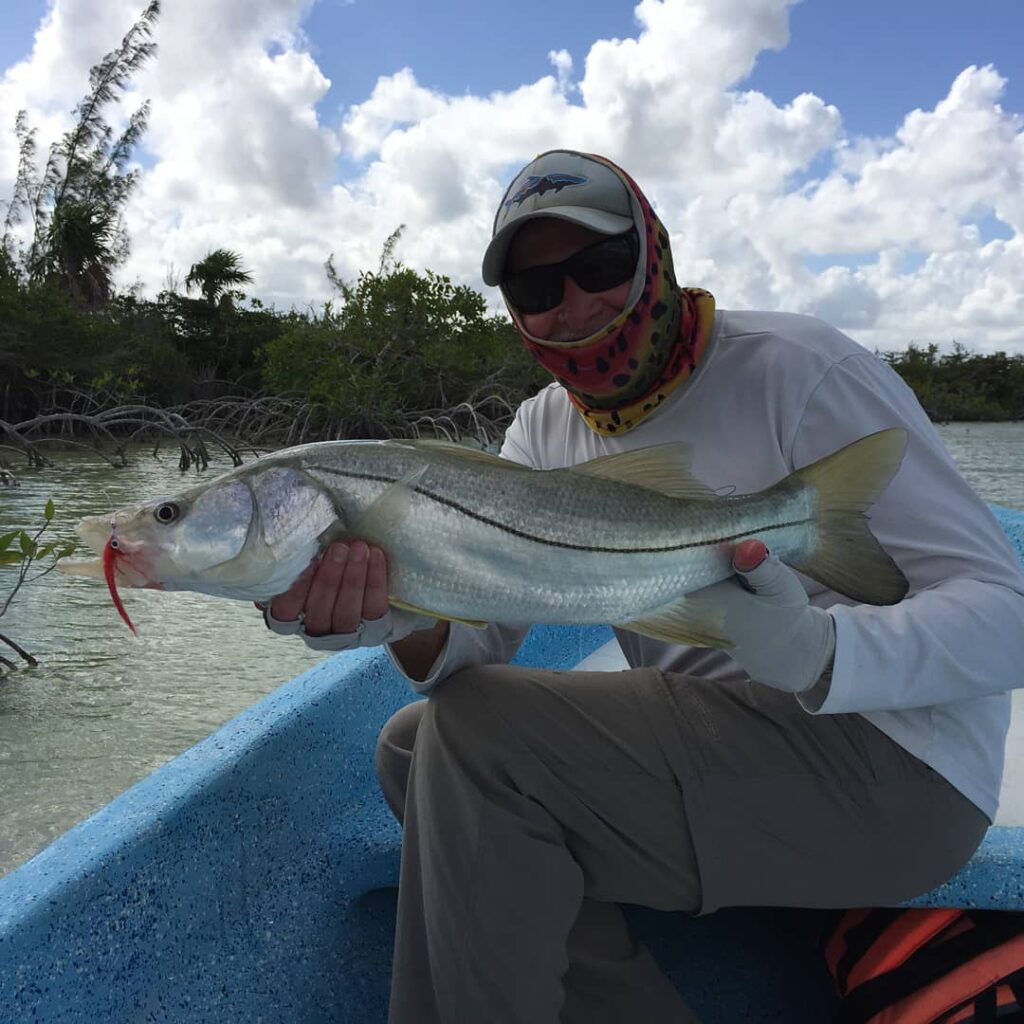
[[345, 585], [340, 601]]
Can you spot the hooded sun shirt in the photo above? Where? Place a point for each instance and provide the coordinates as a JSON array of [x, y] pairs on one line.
[[618, 376]]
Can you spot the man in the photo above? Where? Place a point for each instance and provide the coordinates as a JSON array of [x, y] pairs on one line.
[[838, 755]]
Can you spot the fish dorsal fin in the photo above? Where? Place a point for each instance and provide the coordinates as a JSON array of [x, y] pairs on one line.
[[397, 602], [693, 623], [664, 468], [460, 451]]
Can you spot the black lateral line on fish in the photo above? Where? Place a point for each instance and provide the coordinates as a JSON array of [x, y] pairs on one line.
[[725, 538]]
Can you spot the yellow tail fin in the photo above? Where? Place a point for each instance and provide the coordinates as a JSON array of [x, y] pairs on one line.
[[848, 558]]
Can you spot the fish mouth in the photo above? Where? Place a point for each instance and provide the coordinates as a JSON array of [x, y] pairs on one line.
[[130, 566], [125, 573], [122, 563]]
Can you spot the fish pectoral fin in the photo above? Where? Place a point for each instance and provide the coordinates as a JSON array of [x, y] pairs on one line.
[[92, 567], [693, 623], [384, 517], [664, 468], [406, 606]]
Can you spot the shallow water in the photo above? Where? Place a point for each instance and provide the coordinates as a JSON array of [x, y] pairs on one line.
[[104, 708], [991, 458]]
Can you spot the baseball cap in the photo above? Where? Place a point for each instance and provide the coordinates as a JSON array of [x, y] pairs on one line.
[[566, 185]]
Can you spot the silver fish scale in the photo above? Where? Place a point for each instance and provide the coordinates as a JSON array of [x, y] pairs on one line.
[[504, 544]]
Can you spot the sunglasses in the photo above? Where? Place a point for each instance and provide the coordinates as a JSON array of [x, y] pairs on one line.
[[600, 266]]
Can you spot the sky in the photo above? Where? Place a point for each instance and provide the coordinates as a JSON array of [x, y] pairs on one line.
[[863, 163]]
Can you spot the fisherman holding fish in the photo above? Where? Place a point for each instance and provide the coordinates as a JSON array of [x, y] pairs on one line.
[[815, 711], [839, 754]]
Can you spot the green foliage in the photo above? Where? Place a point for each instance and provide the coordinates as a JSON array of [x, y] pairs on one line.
[[21, 548], [963, 385], [26, 559], [80, 250], [47, 340], [215, 274], [400, 342], [75, 205]]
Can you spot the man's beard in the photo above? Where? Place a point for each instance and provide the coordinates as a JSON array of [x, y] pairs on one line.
[[567, 334]]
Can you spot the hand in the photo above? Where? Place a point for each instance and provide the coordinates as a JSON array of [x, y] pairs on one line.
[[340, 601], [779, 637]]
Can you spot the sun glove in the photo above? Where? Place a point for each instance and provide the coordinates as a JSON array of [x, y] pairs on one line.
[[779, 638], [394, 624]]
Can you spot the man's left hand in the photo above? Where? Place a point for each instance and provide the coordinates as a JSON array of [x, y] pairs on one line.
[[779, 637]]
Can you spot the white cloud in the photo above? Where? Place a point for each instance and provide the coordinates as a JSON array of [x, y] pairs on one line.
[[397, 100], [240, 158], [561, 61]]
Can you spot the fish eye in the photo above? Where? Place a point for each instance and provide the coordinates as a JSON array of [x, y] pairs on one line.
[[166, 513]]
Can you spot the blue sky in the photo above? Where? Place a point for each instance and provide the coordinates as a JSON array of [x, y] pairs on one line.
[[878, 59], [289, 131], [874, 59]]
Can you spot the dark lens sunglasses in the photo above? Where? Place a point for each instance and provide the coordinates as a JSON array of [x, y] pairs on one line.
[[600, 266]]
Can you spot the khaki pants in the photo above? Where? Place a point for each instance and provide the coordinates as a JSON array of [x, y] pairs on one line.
[[534, 802]]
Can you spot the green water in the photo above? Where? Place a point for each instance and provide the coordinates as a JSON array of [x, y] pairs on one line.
[[104, 708]]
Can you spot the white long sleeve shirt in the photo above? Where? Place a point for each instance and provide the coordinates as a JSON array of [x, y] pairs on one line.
[[775, 392]]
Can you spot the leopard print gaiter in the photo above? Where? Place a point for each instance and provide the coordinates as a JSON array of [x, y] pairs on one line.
[[621, 374]]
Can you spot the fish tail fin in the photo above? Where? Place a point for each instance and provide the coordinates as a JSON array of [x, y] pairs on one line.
[[848, 558]]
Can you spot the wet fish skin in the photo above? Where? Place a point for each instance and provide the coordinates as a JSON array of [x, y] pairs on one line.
[[469, 536]]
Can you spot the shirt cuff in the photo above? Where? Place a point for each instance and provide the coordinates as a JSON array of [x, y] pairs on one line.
[[467, 645], [824, 697], [437, 671], [814, 698]]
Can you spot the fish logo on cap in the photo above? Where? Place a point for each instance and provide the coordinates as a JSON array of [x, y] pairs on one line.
[[537, 185]]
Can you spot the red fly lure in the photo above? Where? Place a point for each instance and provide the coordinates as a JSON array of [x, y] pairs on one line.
[[111, 553]]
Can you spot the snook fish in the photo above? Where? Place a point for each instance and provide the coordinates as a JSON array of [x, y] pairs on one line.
[[471, 537]]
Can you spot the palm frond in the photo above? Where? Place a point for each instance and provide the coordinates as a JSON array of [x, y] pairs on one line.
[[219, 270]]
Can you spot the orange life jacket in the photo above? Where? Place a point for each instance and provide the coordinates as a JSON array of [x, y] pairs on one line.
[[917, 966]]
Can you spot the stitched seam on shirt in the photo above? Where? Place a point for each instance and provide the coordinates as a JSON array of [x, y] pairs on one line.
[[814, 392]]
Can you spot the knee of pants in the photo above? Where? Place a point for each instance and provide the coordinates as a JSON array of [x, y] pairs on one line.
[[394, 746], [471, 711]]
